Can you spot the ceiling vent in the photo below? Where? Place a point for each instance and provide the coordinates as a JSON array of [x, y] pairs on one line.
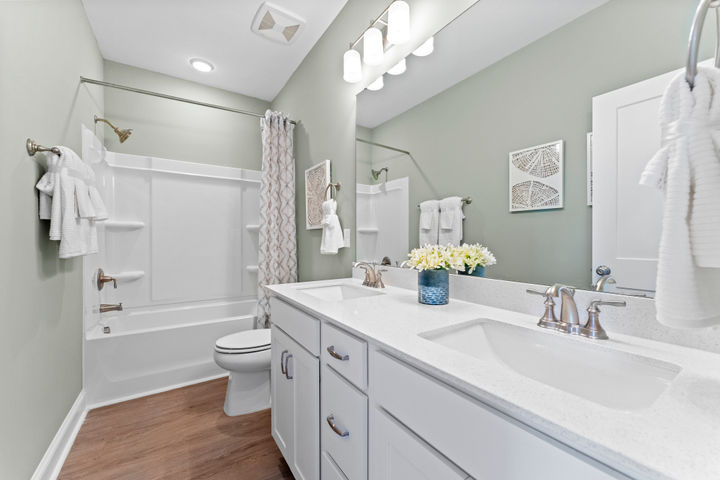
[[277, 24]]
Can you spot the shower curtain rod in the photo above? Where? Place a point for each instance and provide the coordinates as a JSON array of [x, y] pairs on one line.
[[381, 145], [172, 97]]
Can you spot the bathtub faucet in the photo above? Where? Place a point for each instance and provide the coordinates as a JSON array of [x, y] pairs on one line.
[[111, 307]]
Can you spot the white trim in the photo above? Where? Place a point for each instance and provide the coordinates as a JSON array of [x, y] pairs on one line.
[[56, 453]]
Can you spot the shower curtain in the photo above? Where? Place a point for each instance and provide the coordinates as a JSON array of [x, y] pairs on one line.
[[277, 258]]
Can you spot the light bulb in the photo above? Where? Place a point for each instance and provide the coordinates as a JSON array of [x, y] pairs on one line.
[[426, 48], [377, 84], [352, 67], [201, 65], [399, 68], [373, 46], [398, 30]]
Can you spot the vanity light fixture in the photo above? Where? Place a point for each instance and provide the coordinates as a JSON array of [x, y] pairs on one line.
[[399, 68], [398, 24], [426, 48], [352, 66], [373, 51], [377, 84], [201, 65]]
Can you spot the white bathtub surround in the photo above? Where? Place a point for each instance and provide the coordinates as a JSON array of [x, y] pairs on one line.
[[246, 356], [383, 220], [687, 168], [653, 442], [332, 235], [277, 258], [451, 221]]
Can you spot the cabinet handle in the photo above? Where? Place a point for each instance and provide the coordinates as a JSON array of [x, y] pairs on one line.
[[334, 354], [282, 359], [287, 372], [331, 422]]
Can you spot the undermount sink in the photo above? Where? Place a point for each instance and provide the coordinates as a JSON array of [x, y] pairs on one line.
[[337, 293], [619, 380]]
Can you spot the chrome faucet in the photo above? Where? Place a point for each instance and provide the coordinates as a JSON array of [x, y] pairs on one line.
[[569, 316], [605, 278], [373, 278]]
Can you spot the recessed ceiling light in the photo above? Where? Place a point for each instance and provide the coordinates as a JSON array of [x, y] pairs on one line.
[[201, 65]]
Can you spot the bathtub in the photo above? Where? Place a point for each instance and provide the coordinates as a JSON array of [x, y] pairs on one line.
[[152, 350]]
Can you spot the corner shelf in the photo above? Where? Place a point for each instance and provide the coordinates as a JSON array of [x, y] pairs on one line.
[[368, 230], [252, 268], [126, 225], [252, 228]]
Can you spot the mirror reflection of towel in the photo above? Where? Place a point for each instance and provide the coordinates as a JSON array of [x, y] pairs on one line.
[[451, 218], [428, 225]]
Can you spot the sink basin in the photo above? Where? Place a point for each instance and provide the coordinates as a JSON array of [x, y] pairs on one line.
[[618, 380], [337, 293]]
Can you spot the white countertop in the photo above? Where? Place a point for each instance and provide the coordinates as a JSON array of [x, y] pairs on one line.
[[678, 436]]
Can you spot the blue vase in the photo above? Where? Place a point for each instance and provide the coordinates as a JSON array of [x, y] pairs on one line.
[[478, 272], [433, 287]]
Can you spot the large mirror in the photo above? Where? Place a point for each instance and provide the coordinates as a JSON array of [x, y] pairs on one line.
[[500, 115]]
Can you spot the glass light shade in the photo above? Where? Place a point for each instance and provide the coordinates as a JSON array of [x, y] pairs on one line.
[[426, 48], [377, 84], [398, 30], [399, 68], [352, 67], [373, 46]]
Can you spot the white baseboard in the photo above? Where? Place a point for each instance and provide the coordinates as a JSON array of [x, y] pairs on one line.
[[56, 453]]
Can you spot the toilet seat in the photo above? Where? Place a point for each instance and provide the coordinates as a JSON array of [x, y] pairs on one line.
[[248, 341]]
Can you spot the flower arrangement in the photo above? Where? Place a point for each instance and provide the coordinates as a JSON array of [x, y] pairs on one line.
[[436, 257], [474, 256]]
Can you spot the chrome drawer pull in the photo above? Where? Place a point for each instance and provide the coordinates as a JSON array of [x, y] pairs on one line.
[[287, 371], [334, 354], [282, 359], [331, 422]]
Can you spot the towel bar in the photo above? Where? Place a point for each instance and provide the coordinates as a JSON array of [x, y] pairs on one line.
[[465, 201], [33, 148], [334, 186]]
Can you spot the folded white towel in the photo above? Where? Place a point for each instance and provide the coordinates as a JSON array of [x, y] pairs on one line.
[[428, 225], [451, 218], [687, 168], [332, 235]]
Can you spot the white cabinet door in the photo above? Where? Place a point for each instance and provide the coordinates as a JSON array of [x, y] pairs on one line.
[[397, 454], [282, 394]]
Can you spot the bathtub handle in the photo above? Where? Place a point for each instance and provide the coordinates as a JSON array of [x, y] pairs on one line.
[[287, 371], [282, 359]]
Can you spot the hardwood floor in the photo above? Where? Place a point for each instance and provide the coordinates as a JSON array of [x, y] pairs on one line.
[[182, 434]]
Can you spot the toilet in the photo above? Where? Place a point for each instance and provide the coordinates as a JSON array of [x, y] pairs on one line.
[[246, 355]]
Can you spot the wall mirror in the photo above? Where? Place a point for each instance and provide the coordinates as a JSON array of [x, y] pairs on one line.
[[501, 112]]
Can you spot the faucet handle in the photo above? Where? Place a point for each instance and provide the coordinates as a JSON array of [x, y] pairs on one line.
[[378, 278], [548, 320], [592, 328]]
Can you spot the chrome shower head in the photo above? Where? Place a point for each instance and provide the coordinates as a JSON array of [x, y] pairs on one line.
[[376, 173], [122, 134]]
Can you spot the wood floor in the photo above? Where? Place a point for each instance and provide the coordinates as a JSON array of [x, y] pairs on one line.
[[181, 434]]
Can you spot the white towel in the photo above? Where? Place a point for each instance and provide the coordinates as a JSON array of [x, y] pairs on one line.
[[451, 221], [428, 225], [687, 168], [332, 235]]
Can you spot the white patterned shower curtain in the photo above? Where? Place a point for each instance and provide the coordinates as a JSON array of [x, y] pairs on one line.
[[277, 258]]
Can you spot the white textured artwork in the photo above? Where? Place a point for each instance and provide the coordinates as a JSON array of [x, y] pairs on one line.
[[536, 177], [317, 179]]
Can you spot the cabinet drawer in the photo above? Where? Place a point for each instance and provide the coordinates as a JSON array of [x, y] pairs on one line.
[[346, 354], [300, 326], [345, 407], [328, 469], [477, 438]]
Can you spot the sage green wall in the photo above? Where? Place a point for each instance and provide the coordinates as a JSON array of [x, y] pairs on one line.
[[180, 131], [324, 105], [461, 137], [44, 48]]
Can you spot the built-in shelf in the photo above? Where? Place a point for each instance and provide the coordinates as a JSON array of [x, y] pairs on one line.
[[123, 224], [368, 230], [129, 276], [252, 268], [252, 228]]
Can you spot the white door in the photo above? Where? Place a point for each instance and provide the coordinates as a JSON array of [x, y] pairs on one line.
[[282, 394], [397, 454], [627, 217]]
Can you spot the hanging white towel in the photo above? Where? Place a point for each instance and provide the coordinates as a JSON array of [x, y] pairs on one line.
[[687, 168], [332, 235], [428, 225], [451, 221]]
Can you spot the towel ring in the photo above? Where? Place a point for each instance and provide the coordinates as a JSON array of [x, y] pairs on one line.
[[335, 188]]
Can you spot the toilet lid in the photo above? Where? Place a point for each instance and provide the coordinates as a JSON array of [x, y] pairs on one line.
[[248, 341]]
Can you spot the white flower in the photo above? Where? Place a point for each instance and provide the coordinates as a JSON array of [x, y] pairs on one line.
[[435, 257], [474, 256]]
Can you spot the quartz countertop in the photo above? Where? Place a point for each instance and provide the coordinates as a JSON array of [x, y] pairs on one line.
[[677, 437]]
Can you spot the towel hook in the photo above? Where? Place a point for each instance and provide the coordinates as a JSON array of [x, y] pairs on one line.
[[335, 188]]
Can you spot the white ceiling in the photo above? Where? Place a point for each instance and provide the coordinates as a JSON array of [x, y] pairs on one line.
[[161, 35], [486, 33]]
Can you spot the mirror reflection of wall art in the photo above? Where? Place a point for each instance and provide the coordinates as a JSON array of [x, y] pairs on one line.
[[317, 179], [536, 177]]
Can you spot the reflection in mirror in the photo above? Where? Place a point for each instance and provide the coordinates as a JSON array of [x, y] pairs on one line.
[[532, 79]]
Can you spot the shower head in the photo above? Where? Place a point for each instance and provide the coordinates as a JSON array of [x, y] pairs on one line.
[[122, 134], [376, 173]]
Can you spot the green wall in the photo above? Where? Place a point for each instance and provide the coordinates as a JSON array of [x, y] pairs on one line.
[[461, 138], [45, 46], [180, 131], [324, 106]]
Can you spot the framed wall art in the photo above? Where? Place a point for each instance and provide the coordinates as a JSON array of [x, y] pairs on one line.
[[317, 179], [536, 178]]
